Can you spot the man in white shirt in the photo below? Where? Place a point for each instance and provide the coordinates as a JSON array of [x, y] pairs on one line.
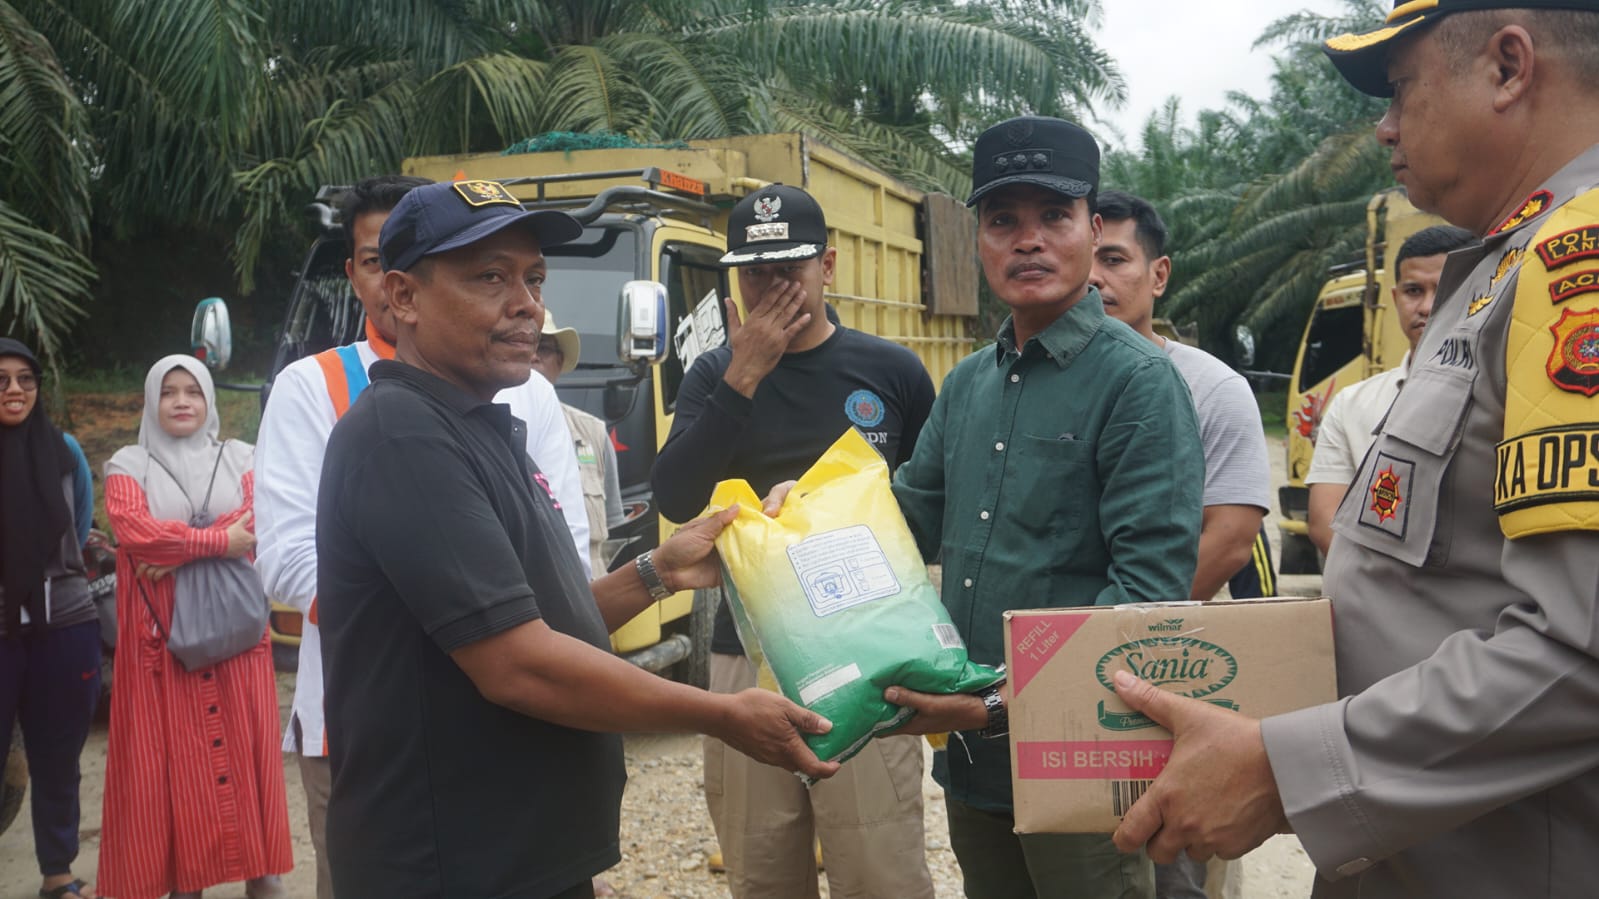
[[1352, 418], [307, 399]]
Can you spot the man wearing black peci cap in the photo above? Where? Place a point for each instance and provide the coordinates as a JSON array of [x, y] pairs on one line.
[[469, 676], [1463, 758], [1061, 466], [764, 408]]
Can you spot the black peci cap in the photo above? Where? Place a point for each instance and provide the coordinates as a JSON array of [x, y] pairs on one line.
[[1050, 153], [1363, 58], [777, 223], [434, 218]]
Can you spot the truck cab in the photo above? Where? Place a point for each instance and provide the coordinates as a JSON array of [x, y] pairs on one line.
[[644, 290]]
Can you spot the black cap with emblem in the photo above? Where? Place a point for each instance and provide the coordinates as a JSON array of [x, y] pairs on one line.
[[777, 223], [1363, 58], [435, 218], [1050, 153]]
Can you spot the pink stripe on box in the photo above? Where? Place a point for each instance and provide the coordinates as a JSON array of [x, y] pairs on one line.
[[1091, 759], [1034, 641]]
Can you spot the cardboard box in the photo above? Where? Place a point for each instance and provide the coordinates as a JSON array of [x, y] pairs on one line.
[[1080, 757]]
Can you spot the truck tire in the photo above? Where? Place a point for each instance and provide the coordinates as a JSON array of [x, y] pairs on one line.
[[13, 781], [696, 669]]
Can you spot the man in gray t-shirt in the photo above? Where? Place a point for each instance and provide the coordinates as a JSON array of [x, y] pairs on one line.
[[1130, 270]]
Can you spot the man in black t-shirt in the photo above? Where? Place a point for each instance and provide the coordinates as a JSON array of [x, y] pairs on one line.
[[764, 408], [468, 673]]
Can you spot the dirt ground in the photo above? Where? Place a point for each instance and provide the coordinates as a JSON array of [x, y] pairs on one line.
[[666, 832]]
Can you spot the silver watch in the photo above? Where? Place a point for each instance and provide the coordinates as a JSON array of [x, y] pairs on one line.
[[645, 564], [998, 717]]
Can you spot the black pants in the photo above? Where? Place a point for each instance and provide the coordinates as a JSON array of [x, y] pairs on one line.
[[50, 682]]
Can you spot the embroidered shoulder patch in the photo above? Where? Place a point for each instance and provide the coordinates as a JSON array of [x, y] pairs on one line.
[[1573, 284], [1548, 463], [1536, 205], [1567, 247]]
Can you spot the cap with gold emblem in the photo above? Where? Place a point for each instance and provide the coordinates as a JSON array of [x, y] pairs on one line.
[[435, 218], [1363, 58], [777, 223]]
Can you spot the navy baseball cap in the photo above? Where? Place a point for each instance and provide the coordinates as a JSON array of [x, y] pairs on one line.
[[1363, 58], [435, 218], [1044, 152]]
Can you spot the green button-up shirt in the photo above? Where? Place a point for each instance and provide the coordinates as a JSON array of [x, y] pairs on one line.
[[1068, 473]]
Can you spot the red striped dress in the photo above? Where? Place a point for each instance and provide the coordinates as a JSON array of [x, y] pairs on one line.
[[194, 792]]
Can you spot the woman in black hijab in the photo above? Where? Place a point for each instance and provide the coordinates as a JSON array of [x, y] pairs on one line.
[[49, 633]]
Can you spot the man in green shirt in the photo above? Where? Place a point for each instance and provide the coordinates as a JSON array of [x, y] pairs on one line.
[[1060, 467]]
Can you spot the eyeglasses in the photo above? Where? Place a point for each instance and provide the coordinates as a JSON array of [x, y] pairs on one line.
[[550, 347], [26, 381]]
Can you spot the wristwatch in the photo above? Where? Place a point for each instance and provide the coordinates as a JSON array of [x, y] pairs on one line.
[[651, 578], [998, 717]]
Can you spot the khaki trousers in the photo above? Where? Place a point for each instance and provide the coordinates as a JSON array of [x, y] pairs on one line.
[[317, 777], [868, 817]]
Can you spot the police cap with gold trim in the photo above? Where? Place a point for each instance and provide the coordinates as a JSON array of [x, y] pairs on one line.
[[436, 218], [1363, 58]]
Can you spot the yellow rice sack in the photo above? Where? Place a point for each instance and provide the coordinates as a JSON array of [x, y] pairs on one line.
[[833, 602]]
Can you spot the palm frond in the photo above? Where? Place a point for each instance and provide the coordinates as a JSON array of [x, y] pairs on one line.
[[42, 279]]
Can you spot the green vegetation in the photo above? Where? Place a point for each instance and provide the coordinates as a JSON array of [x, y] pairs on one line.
[[191, 132], [1264, 195]]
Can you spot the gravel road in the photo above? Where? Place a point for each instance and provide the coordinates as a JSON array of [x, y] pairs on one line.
[[666, 833]]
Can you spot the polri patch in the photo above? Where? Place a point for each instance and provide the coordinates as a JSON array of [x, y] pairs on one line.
[[1570, 246], [1385, 503], [485, 193], [1573, 363], [1575, 284], [1536, 205]]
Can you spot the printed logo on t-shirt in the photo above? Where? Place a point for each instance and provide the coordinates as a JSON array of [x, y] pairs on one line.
[[865, 409]]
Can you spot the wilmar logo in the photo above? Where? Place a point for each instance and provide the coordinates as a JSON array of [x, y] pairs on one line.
[[1181, 665]]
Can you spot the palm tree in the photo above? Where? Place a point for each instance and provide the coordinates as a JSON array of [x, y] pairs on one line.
[[44, 188], [1264, 195], [222, 115]]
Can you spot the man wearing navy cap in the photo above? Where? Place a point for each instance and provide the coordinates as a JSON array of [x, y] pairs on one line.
[[1463, 758], [469, 675], [1061, 466], [765, 408]]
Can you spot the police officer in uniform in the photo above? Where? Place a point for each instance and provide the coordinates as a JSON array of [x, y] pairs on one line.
[[1463, 758]]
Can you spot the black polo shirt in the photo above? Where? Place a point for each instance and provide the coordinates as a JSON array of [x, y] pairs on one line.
[[435, 531]]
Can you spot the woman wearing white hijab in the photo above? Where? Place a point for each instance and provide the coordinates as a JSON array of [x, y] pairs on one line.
[[194, 792]]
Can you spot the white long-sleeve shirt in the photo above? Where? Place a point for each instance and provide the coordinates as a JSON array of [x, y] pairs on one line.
[[293, 438]]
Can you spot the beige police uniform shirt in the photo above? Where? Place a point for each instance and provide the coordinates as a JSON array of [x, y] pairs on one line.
[[1462, 759]]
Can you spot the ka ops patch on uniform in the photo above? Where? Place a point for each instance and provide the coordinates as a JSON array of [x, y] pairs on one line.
[[1547, 466]]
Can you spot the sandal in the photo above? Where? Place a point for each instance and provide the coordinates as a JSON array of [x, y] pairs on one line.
[[72, 888]]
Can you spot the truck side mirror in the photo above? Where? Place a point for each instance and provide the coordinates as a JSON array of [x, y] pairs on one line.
[[211, 338], [642, 323]]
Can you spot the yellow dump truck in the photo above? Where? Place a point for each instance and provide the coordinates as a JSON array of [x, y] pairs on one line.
[[1353, 333], [643, 289]]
